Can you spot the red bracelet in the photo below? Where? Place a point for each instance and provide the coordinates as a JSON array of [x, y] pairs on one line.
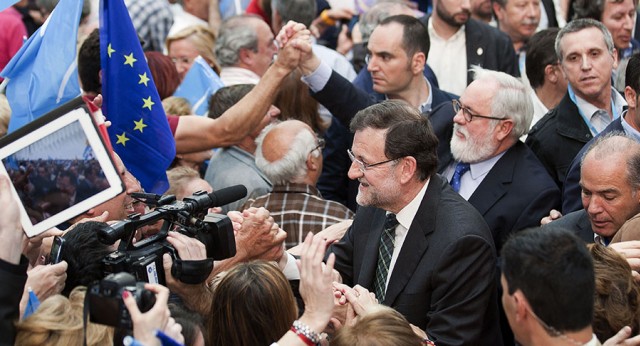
[[303, 337]]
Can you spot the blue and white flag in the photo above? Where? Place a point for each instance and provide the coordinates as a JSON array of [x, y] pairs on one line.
[[198, 85], [139, 130], [43, 74]]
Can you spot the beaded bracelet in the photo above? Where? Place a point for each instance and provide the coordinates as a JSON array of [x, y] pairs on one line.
[[305, 333]]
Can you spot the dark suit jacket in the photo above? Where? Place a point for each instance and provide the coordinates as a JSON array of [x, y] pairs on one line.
[[516, 193], [444, 280], [558, 137], [550, 9], [571, 191], [487, 47], [13, 279], [578, 222], [344, 100]]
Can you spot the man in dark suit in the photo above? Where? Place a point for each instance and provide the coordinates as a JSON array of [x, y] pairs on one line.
[[628, 123], [462, 42], [502, 178], [399, 46], [424, 250], [587, 56]]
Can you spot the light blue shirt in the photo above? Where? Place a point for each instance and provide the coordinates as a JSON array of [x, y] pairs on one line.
[[470, 181]]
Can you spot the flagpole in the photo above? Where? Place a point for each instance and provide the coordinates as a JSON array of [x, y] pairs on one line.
[[3, 85]]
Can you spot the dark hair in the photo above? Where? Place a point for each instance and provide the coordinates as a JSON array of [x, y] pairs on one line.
[[252, 305], [226, 97], [632, 76], [89, 63], [164, 73], [540, 53], [415, 36], [301, 11], [617, 297], [73, 179], [409, 133], [190, 321], [553, 269], [84, 253], [295, 102]]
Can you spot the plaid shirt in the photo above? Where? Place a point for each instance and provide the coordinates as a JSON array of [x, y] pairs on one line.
[[152, 20], [299, 209]]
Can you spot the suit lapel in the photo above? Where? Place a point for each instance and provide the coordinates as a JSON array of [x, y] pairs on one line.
[[416, 242], [475, 43], [497, 181], [370, 260]]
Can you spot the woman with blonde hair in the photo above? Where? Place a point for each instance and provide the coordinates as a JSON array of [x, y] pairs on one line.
[[187, 44], [58, 321]]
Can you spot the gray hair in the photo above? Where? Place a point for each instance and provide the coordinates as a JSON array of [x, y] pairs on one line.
[[617, 142], [301, 11], [377, 14], [292, 167], [579, 25], [512, 100], [235, 34]]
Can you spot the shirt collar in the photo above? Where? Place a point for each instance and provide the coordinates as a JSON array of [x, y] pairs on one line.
[[588, 109], [628, 129], [408, 213], [481, 168]]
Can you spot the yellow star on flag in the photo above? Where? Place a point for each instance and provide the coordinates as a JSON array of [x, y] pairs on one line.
[[129, 59], [143, 79], [110, 50], [139, 125], [122, 139], [148, 103]]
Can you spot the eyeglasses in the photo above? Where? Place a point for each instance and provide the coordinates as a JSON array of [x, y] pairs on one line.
[[320, 144], [364, 166], [466, 112]]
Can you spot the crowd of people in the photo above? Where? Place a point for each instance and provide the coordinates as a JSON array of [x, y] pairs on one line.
[[431, 172]]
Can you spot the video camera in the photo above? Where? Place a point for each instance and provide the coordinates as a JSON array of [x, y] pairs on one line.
[[143, 259]]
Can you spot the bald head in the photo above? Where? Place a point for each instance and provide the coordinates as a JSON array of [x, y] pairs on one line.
[[286, 152]]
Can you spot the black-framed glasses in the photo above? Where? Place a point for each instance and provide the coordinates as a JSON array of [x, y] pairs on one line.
[[364, 166], [466, 112], [320, 144]]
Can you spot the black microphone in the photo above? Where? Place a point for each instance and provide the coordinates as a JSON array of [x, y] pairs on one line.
[[215, 199]]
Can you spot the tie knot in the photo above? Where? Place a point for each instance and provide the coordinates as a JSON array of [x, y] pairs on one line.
[[462, 168], [390, 221]]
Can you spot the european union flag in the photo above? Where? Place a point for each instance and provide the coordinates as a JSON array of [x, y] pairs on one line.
[[43, 75], [198, 85], [139, 129]]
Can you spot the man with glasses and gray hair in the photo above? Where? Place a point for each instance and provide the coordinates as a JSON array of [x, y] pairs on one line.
[[482, 156], [416, 243], [290, 155]]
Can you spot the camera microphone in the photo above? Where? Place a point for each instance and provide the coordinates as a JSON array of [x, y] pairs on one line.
[[215, 199]]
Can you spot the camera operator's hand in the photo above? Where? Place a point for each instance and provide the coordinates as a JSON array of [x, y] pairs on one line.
[[10, 225], [45, 281], [195, 297], [158, 318], [188, 248]]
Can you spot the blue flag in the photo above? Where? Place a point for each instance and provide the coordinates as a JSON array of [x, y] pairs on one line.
[[139, 130], [32, 304], [44, 73], [4, 4], [198, 85]]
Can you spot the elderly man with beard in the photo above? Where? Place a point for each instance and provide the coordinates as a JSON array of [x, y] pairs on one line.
[[481, 154]]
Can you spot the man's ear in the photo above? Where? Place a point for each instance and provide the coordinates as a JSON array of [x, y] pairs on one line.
[[551, 73], [418, 61], [504, 129], [522, 305], [630, 97], [245, 56], [312, 163], [497, 10], [409, 166]]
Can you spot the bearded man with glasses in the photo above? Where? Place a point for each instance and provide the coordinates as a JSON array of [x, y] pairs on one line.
[[416, 243]]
